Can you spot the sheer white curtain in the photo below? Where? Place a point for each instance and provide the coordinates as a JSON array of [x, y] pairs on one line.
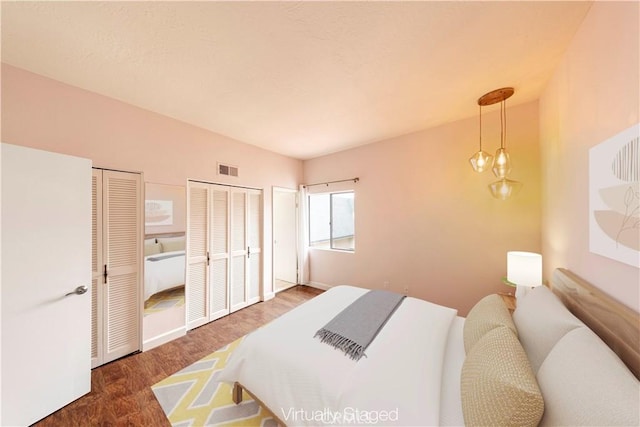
[[303, 236]]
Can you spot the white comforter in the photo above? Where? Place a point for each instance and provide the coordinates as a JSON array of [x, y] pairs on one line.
[[163, 274], [306, 382]]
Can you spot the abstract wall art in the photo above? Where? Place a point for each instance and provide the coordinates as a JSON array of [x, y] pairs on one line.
[[614, 197]]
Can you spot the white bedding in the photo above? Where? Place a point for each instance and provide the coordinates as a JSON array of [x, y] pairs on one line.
[[306, 382], [163, 274]]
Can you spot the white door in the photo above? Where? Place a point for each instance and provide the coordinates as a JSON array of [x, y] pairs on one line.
[[219, 252], [122, 221], [46, 254], [116, 265], [197, 274], [285, 235], [238, 288], [98, 278], [254, 245], [224, 250]]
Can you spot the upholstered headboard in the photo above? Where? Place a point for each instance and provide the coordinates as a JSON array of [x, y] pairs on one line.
[[616, 324]]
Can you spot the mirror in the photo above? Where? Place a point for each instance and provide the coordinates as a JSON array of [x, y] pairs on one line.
[[164, 263]]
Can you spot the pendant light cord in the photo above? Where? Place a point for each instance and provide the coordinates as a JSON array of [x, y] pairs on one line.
[[503, 124], [480, 117]]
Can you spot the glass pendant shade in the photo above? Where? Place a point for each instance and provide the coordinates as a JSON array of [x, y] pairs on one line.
[[504, 188], [501, 163], [481, 161]]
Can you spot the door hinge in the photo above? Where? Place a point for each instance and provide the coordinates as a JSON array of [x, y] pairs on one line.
[[248, 251], [208, 258], [105, 274]]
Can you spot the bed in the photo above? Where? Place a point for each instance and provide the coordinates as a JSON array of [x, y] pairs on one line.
[[164, 264], [428, 366]]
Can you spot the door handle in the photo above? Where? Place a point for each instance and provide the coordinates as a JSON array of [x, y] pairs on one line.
[[78, 291]]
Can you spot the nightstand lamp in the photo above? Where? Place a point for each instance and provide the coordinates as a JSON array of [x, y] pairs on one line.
[[524, 270]]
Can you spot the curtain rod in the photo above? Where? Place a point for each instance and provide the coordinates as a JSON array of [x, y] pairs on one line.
[[356, 179]]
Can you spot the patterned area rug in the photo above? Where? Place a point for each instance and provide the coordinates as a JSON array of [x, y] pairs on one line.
[[194, 397], [163, 300]]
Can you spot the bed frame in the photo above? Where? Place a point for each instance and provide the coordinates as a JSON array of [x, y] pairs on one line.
[[615, 323]]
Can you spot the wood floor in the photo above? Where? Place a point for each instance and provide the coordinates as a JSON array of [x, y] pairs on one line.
[[120, 391]]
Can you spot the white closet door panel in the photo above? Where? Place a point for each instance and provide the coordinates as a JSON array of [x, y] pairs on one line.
[[219, 275], [238, 221], [196, 294], [255, 219], [198, 220], [254, 230], [220, 220], [96, 335], [122, 212], [123, 316], [254, 279], [238, 278], [238, 283], [97, 268], [123, 216], [197, 255], [219, 266]]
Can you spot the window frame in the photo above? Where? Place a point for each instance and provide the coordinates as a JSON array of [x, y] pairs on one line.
[[331, 231]]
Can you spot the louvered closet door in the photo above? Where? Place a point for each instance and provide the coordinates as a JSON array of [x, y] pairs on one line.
[[197, 255], [97, 263], [238, 274], [219, 253], [122, 220], [254, 230]]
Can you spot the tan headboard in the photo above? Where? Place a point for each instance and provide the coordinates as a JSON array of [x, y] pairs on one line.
[[615, 323]]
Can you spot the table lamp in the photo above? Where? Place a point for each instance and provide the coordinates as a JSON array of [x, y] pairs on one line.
[[524, 270]]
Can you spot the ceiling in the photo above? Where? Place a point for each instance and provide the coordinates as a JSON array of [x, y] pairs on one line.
[[302, 79]]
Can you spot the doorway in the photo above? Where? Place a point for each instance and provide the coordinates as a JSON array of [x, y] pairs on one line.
[[285, 238]]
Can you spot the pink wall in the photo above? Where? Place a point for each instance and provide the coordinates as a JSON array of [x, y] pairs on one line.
[[46, 114], [425, 220], [593, 95]]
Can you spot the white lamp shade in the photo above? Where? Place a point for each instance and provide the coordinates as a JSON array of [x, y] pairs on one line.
[[524, 268]]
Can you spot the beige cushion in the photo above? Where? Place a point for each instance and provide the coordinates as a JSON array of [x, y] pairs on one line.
[[151, 247], [497, 385], [488, 313], [542, 320], [170, 244], [585, 384]]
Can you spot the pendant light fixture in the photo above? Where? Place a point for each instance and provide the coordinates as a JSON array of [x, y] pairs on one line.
[[502, 162], [481, 160], [501, 166]]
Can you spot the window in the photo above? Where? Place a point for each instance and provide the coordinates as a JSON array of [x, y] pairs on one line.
[[332, 221]]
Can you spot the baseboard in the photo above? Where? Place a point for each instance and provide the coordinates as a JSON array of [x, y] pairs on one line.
[[319, 285], [164, 338], [268, 296]]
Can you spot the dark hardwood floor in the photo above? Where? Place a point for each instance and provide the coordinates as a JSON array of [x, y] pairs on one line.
[[120, 390]]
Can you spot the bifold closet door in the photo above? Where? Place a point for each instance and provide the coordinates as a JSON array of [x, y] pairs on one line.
[[246, 250], [254, 255], [116, 265], [224, 250], [239, 248], [219, 252], [197, 275]]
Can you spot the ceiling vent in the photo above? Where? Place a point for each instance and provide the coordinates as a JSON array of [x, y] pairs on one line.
[[227, 170]]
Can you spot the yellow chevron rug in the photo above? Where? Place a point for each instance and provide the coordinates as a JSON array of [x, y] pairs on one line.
[[163, 300], [194, 396]]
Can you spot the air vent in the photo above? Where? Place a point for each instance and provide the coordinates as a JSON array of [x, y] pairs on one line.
[[227, 170]]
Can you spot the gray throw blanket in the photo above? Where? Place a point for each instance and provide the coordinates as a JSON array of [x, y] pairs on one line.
[[355, 327]]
